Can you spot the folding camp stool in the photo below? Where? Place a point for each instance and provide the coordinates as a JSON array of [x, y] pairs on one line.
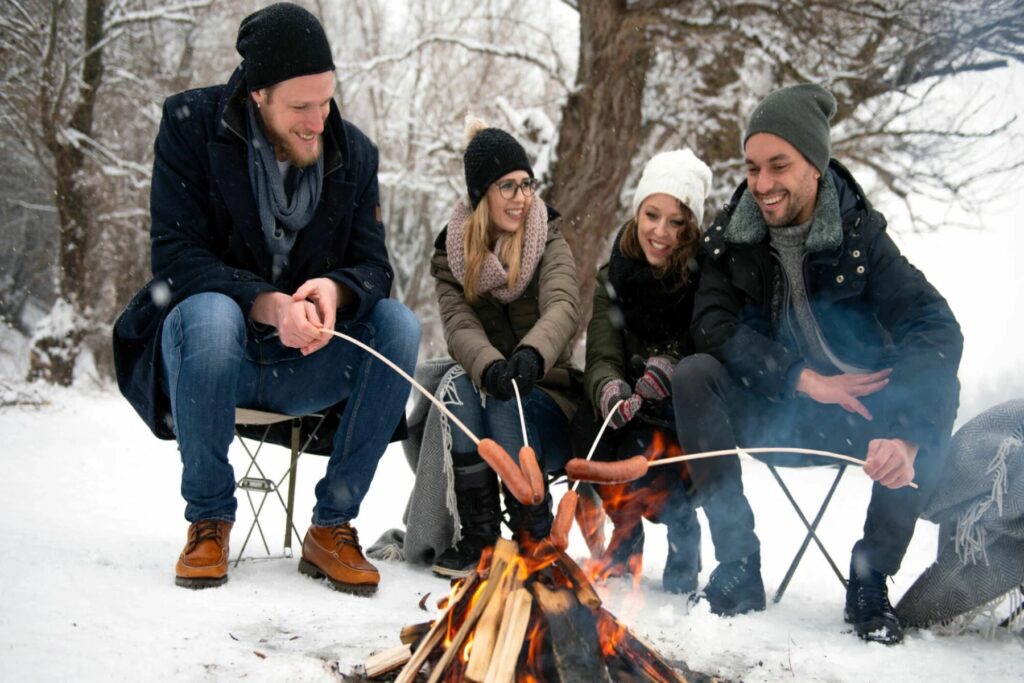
[[812, 528], [255, 481]]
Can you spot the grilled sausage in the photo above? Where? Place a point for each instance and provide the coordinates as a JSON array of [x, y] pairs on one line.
[[507, 470], [617, 472], [531, 470], [563, 520]]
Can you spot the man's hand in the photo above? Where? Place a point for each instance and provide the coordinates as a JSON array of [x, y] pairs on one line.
[[843, 390], [327, 296], [890, 462]]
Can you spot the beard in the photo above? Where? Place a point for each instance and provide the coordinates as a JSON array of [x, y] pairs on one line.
[[285, 149]]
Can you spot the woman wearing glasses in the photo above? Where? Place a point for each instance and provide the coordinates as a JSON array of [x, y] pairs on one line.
[[509, 300]]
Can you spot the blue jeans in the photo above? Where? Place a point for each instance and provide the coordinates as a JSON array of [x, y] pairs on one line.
[[546, 425], [214, 361]]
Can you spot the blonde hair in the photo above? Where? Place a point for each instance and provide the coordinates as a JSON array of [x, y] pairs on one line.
[[477, 246], [678, 262]]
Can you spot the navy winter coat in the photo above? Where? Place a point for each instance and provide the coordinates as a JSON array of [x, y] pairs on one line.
[[874, 309], [206, 233]]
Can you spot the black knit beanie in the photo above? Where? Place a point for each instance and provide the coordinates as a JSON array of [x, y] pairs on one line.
[[799, 114], [491, 154], [279, 42]]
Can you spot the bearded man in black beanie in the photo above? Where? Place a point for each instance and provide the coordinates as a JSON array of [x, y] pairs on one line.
[[266, 232], [815, 332]]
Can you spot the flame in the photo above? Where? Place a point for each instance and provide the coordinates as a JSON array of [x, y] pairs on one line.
[[532, 671], [628, 503]]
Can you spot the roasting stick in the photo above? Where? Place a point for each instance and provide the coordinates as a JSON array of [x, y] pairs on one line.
[[562, 524], [440, 406], [523, 485], [600, 433], [765, 449], [522, 417]]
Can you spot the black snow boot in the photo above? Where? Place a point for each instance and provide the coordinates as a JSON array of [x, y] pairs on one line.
[[736, 587], [530, 524], [683, 563], [476, 496], [868, 608]]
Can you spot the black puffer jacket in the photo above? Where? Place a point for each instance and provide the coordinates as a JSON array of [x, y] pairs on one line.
[[874, 309]]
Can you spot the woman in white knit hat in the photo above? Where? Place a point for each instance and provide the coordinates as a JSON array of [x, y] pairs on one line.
[[639, 331]]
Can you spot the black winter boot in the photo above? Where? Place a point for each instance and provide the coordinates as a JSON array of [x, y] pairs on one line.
[[868, 607], [736, 587], [476, 496], [530, 524], [626, 547], [683, 563]]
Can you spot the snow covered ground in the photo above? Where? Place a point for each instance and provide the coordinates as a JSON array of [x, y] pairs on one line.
[[92, 525]]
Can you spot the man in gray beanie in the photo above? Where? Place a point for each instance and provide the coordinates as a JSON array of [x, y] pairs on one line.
[[266, 233], [815, 332]]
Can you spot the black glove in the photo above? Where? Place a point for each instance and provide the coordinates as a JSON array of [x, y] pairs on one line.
[[496, 380], [525, 366]]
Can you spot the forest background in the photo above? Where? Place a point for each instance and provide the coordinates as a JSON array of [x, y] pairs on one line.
[[593, 89]]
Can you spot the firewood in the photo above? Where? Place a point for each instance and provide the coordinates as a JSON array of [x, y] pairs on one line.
[[388, 660], [504, 553], [581, 584], [514, 622], [638, 655], [410, 633], [436, 634], [485, 637], [573, 635]]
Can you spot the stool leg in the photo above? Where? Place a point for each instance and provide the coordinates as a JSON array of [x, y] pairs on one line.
[[812, 527], [293, 467]]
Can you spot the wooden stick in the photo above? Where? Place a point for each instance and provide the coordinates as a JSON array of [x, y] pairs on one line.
[[388, 660], [522, 418], [485, 639], [764, 449], [436, 633], [514, 622], [410, 633], [440, 406], [600, 433], [498, 567]]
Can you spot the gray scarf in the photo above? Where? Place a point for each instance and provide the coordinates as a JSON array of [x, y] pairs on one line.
[[281, 219]]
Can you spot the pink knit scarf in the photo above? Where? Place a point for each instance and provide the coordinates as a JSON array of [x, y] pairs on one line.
[[493, 276]]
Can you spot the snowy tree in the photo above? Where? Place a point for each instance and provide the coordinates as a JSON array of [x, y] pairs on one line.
[[659, 73], [69, 72]]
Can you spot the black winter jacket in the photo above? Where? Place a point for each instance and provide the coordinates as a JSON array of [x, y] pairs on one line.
[[874, 309], [206, 233]]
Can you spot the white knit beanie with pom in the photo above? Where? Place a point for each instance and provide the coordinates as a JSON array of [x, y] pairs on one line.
[[678, 173]]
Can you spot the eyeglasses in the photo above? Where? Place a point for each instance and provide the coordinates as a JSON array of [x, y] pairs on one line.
[[508, 188]]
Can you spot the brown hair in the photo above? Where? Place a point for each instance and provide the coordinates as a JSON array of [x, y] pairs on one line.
[[678, 263], [477, 245]]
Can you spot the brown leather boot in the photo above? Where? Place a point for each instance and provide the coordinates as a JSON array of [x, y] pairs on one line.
[[204, 561], [334, 553]]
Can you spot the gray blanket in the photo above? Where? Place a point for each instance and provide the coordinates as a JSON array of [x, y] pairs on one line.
[[980, 511], [431, 517]]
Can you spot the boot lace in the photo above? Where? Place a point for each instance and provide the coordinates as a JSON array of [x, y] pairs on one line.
[[204, 530], [345, 535]]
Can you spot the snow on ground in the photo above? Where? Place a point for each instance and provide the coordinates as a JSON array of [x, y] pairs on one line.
[[92, 523]]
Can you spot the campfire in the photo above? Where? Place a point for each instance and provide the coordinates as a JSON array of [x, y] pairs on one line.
[[528, 618]]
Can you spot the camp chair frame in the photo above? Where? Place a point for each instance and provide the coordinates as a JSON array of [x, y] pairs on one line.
[[255, 481], [811, 526]]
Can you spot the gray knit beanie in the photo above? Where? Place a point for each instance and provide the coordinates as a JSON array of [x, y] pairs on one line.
[[800, 115]]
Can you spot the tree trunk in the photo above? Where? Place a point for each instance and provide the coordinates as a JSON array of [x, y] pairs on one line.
[[57, 345], [599, 134]]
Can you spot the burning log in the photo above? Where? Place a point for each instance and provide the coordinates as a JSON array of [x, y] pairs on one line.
[[571, 629], [523, 617]]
